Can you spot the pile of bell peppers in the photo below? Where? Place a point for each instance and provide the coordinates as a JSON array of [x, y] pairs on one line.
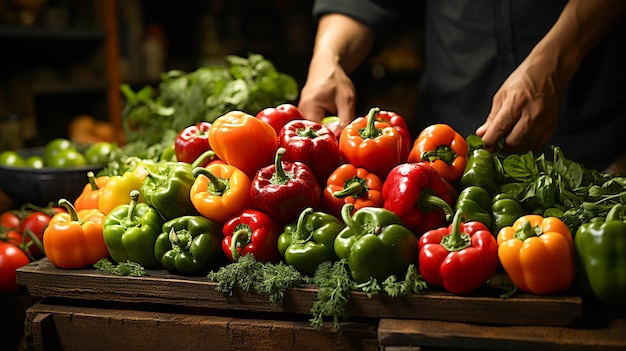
[[283, 188]]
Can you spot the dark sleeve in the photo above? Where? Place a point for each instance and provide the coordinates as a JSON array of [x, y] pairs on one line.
[[380, 15]]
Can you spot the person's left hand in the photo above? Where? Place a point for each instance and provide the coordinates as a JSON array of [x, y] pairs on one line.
[[525, 110]]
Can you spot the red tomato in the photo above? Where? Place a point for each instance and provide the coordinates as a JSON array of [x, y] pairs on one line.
[[11, 258], [13, 236], [9, 219], [36, 222]]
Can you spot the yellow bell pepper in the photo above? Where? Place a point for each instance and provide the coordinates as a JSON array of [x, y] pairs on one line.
[[537, 254]]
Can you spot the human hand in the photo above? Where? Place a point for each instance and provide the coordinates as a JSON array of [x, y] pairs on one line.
[[328, 90], [525, 110]]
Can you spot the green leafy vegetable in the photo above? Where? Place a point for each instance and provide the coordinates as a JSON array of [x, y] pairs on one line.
[[128, 268], [245, 84]]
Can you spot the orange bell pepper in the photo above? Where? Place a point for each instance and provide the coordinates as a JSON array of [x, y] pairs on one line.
[[443, 148], [244, 141], [371, 144], [349, 184], [74, 239], [537, 254], [220, 191], [90, 196]]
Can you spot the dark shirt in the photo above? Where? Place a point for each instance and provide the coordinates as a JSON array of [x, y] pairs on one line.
[[470, 48]]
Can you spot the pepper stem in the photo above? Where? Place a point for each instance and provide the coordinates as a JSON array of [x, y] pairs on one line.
[[134, 198], [526, 230], [429, 201], [241, 237], [307, 132], [346, 216], [279, 176], [354, 186], [456, 240], [92, 181], [181, 240], [442, 152], [71, 210], [217, 186], [370, 131], [299, 233], [208, 155]]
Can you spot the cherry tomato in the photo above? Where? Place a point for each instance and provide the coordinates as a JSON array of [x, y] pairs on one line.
[[9, 219], [36, 222], [11, 258], [13, 236]]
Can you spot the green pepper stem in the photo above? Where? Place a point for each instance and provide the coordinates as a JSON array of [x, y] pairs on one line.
[[456, 240], [71, 210], [219, 186], [201, 160], [307, 132], [241, 238], [299, 233], [370, 130], [346, 216], [616, 213], [428, 201], [442, 152], [355, 186], [92, 181], [279, 177], [181, 240], [134, 198], [526, 230]]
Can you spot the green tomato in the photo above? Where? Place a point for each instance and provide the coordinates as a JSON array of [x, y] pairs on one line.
[[34, 162], [68, 158], [11, 158], [54, 147], [99, 153]]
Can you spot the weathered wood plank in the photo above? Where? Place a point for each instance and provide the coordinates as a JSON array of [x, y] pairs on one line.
[[605, 334], [160, 287], [87, 328]]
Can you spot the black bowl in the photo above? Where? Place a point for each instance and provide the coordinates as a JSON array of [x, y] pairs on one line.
[[40, 186]]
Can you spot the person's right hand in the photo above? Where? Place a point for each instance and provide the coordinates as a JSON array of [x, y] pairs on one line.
[[328, 91]]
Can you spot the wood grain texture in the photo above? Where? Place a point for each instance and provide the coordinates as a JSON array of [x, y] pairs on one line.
[[605, 334], [42, 279], [74, 327]]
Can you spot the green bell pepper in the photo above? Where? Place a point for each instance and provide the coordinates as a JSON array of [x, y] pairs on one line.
[[505, 210], [475, 202], [600, 247], [130, 231], [190, 245], [479, 171], [167, 190], [309, 242], [375, 243]]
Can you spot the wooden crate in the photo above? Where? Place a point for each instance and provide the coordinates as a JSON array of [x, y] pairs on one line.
[[162, 288]]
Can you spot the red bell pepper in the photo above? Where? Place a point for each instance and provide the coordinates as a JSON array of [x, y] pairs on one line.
[[284, 189], [399, 123], [192, 141], [280, 115], [312, 144], [351, 185], [251, 232], [371, 144], [461, 257], [419, 196]]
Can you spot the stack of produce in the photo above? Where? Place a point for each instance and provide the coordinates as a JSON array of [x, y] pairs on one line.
[[273, 201]]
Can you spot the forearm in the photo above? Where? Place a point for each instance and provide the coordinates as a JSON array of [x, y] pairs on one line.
[[581, 26], [343, 40]]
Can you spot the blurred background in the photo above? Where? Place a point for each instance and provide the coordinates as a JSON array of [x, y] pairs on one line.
[[63, 61]]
